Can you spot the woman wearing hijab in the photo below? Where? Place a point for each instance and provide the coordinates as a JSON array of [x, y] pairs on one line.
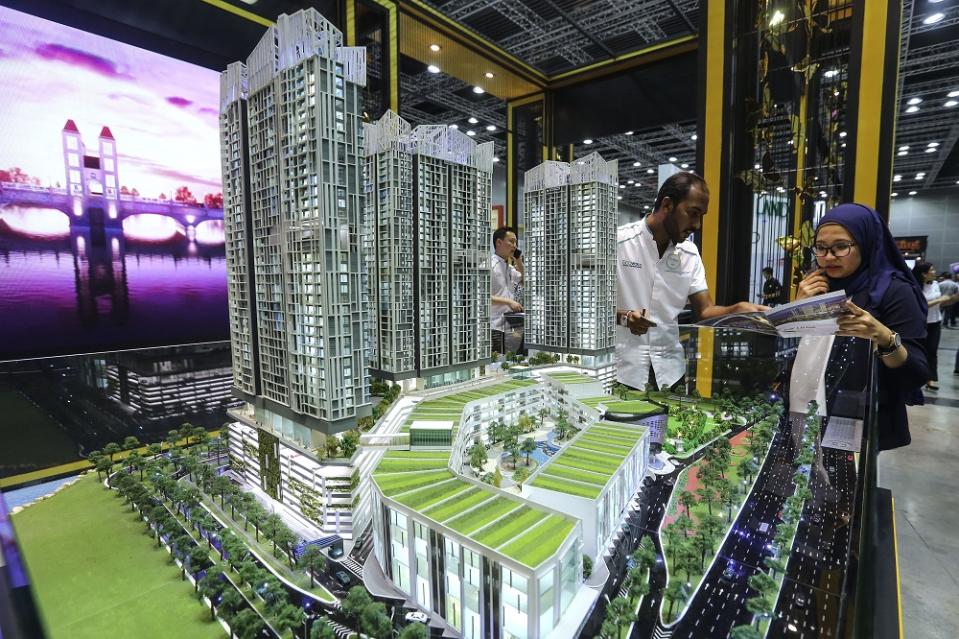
[[855, 252]]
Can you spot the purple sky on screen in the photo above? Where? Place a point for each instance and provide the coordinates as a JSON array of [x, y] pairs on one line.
[[162, 112]]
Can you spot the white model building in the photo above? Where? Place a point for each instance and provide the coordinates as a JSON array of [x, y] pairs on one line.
[[571, 258], [304, 366], [427, 246]]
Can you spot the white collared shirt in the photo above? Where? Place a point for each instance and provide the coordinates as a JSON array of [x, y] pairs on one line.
[[662, 286], [504, 280]]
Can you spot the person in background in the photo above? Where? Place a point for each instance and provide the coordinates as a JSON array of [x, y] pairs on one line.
[[925, 274], [506, 277], [856, 253], [949, 287], [772, 288]]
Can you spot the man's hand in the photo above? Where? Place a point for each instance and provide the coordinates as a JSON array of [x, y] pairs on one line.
[[638, 323], [515, 306], [747, 307], [813, 284]]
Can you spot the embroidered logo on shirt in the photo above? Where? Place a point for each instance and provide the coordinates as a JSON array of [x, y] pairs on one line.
[[632, 264]]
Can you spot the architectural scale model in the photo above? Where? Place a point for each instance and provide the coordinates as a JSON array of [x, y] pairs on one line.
[[428, 250], [571, 214]]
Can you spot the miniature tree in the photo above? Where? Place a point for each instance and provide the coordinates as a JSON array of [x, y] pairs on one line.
[[477, 455], [414, 631], [776, 565], [288, 617], [672, 594], [745, 632], [688, 500], [111, 449], [620, 611], [703, 544], [727, 496], [763, 584], [332, 446], [587, 567], [312, 561], [521, 475], [210, 586], [322, 630], [684, 524], [527, 448], [687, 559], [707, 496], [497, 477], [374, 621], [759, 607]]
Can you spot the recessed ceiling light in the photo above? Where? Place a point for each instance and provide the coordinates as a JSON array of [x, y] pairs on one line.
[[902, 153], [934, 18], [904, 147], [472, 120], [931, 149], [629, 133], [622, 186], [933, 144], [913, 192], [490, 127], [619, 197], [435, 47], [454, 126], [638, 185], [478, 90], [694, 137], [495, 159], [843, 145], [471, 133], [912, 109], [920, 176], [894, 194], [684, 166], [488, 75], [842, 134], [650, 171], [672, 158], [831, 73], [587, 141], [953, 94], [646, 207], [636, 164], [433, 68], [630, 181], [951, 103], [896, 178], [914, 101]]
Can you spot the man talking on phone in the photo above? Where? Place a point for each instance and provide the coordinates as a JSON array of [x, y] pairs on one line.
[[505, 277], [658, 270]]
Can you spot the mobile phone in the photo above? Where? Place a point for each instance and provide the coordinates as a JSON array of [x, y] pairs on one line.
[[516, 254]]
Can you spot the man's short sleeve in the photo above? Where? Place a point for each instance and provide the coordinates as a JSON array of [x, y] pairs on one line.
[[697, 281]]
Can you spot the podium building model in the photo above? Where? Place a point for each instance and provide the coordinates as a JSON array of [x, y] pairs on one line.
[[571, 258], [428, 250]]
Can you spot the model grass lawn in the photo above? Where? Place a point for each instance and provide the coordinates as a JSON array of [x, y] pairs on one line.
[[405, 465], [464, 501], [519, 522], [95, 574], [572, 378], [394, 484], [576, 474], [558, 484], [433, 494], [482, 515], [540, 543]]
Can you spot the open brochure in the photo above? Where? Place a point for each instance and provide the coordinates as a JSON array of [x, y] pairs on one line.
[[811, 316]]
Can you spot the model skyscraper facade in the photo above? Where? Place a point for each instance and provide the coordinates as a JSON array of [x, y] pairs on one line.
[[428, 250], [297, 303], [571, 258]]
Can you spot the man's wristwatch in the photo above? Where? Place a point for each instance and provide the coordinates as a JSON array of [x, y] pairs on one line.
[[894, 343]]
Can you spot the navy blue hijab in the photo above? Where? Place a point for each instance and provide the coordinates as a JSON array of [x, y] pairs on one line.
[[881, 259]]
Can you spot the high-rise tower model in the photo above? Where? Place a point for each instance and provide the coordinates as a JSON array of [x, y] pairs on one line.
[[428, 250], [571, 258], [292, 173]]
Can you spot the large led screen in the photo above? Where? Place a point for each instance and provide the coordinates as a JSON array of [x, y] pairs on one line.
[[111, 219]]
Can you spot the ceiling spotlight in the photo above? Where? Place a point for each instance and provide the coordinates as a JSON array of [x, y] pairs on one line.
[[842, 134], [454, 126], [931, 149], [587, 141], [896, 178], [777, 18], [953, 94], [914, 101], [650, 171], [619, 197], [913, 192], [471, 133], [934, 18], [912, 109], [433, 68], [490, 127], [646, 207], [435, 47], [638, 185], [472, 120], [904, 147], [630, 181], [684, 166], [694, 137], [894, 194], [933, 144], [831, 73], [629, 133], [478, 90], [672, 158], [622, 186], [902, 153], [636, 164], [951, 103], [843, 145], [495, 159], [488, 75]]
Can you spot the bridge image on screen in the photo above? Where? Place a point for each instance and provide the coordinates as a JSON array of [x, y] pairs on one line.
[[111, 218]]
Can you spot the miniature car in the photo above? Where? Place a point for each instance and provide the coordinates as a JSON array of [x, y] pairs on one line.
[[343, 578], [800, 601], [730, 573], [336, 552], [417, 617]]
